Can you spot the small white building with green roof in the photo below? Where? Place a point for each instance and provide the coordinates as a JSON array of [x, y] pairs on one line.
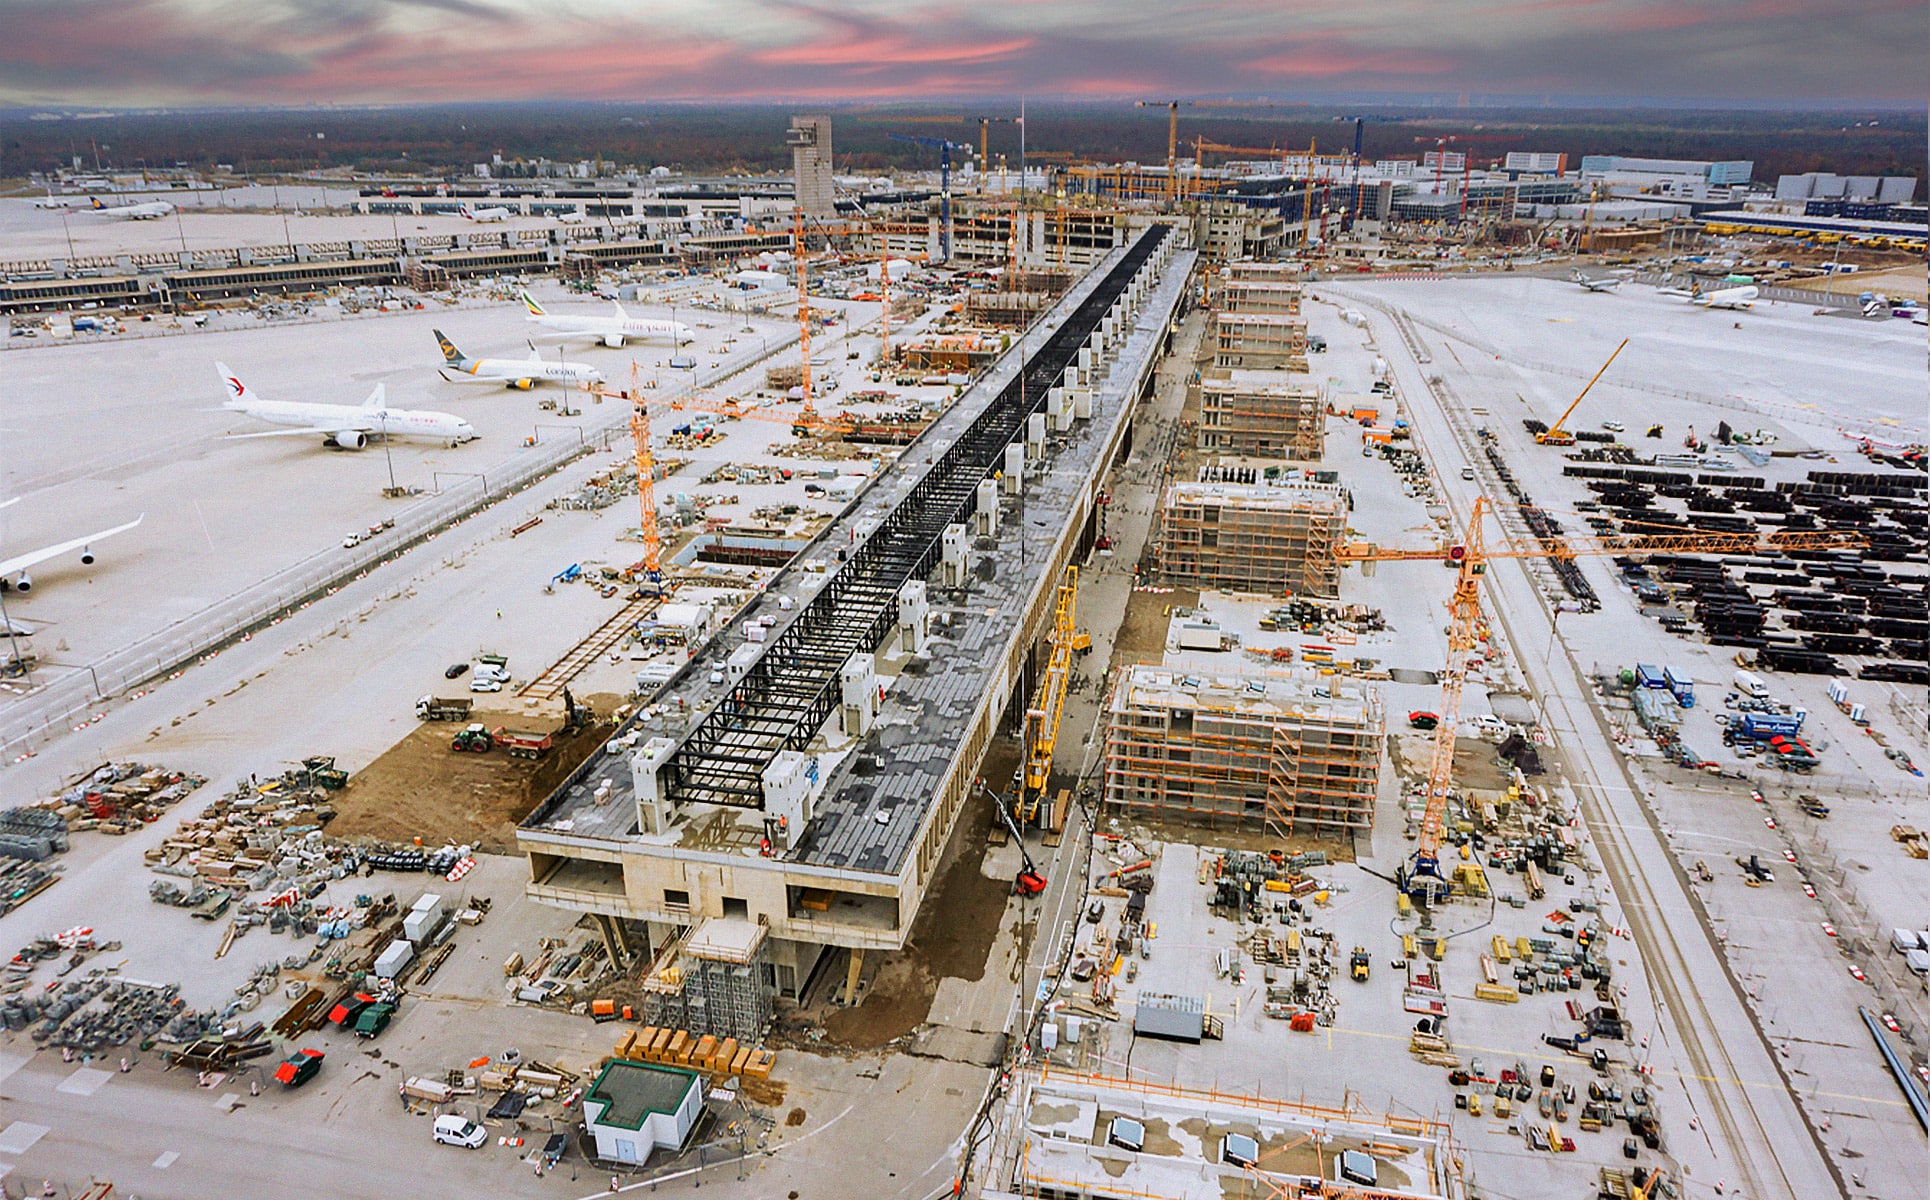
[[635, 1107]]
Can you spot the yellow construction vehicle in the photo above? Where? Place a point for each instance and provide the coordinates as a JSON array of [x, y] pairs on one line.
[[1048, 705], [1557, 434]]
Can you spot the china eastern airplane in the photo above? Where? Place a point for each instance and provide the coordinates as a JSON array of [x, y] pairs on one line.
[[13, 571], [611, 331], [1733, 297], [135, 212], [344, 425], [483, 216], [522, 373]]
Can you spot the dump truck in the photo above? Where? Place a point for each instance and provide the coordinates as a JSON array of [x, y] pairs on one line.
[[523, 744], [438, 708], [1360, 964]]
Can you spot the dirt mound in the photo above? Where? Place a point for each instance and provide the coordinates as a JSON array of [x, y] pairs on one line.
[[420, 788]]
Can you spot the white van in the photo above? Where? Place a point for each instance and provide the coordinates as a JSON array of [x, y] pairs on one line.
[[455, 1130], [1904, 940], [1918, 961], [1751, 684]]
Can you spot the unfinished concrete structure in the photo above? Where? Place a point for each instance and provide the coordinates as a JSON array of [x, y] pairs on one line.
[[1259, 341], [1261, 414], [813, 794], [1292, 756], [1276, 540], [810, 141], [1248, 295]]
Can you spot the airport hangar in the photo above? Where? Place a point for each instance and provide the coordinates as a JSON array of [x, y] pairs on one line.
[[812, 792]]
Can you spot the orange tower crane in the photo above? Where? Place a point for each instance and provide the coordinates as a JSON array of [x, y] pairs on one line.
[[800, 264], [1422, 879], [646, 475], [1172, 145]]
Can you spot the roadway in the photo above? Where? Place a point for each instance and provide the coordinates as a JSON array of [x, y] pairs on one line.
[[1747, 1132]]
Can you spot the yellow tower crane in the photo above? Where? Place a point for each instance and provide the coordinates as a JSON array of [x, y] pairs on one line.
[[1422, 878], [652, 563], [1049, 703]]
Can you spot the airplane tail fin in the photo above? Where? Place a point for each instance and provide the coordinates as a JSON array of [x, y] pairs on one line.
[[449, 352], [535, 355], [466, 211], [535, 309], [377, 396], [98, 206], [236, 392]]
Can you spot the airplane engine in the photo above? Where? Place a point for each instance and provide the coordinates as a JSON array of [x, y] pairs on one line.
[[613, 340], [87, 558], [522, 385], [19, 583], [351, 439]]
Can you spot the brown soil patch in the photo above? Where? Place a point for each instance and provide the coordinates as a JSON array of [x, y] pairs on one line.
[[1142, 635], [420, 788], [1475, 763], [794, 1118], [952, 938]]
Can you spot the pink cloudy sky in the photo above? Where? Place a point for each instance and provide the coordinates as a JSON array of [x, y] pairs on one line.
[[106, 52]]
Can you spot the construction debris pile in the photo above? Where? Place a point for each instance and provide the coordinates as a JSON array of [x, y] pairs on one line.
[[598, 492], [99, 1011], [113, 798]]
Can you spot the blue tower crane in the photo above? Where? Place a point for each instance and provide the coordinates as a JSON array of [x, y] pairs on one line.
[[944, 149]]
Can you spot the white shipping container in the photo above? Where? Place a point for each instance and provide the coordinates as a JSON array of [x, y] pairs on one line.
[[399, 954]]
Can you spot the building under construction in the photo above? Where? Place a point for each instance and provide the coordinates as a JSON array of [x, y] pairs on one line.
[[1261, 414], [1241, 294], [1291, 756], [1259, 341], [1275, 540], [812, 791]]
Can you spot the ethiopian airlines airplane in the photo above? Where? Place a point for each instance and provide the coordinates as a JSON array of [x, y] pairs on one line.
[[344, 425], [611, 331], [150, 211], [521, 373]]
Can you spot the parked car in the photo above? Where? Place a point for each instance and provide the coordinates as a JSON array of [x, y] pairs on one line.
[[455, 670], [1423, 720], [481, 684], [454, 1130]]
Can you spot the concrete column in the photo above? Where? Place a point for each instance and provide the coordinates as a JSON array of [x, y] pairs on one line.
[[954, 562], [858, 681], [1070, 377], [653, 811], [1082, 404], [615, 941], [987, 511], [851, 976], [1035, 435], [1059, 404], [912, 610], [1014, 471]]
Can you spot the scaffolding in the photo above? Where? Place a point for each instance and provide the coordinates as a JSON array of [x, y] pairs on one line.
[[1259, 341], [1271, 539], [1288, 756], [719, 985], [1261, 415]]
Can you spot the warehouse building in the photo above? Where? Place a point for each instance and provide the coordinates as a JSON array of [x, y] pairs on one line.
[[1276, 540], [1261, 414], [1287, 756]]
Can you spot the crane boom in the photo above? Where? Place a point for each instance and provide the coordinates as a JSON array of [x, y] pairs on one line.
[[1048, 705], [1556, 435], [1423, 878]]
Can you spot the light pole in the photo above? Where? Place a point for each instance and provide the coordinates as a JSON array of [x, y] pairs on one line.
[[13, 639], [389, 457]]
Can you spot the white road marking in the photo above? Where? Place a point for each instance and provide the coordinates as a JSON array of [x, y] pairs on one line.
[[19, 1137], [83, 1082], [167, 1160]]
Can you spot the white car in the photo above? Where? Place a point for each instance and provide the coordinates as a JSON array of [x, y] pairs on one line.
[[454, 1130], [1487, 726], [485, 685], [1613, 426]]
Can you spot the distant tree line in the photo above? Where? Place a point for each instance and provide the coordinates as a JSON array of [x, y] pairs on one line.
[[719, 139]]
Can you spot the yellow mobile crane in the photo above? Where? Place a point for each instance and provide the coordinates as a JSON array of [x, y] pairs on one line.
[[1557, 434], [1048, 704]]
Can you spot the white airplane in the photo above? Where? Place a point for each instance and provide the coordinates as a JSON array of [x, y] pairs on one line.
[[1733, 297], [1596, 285], [135, 212], [344, 425], [483, 216], [13, 571], [512, 372], [56, 202], [569, 218], [611, 331]]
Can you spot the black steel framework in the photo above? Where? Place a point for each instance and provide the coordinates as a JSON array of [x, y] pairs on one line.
[[790, 692]]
